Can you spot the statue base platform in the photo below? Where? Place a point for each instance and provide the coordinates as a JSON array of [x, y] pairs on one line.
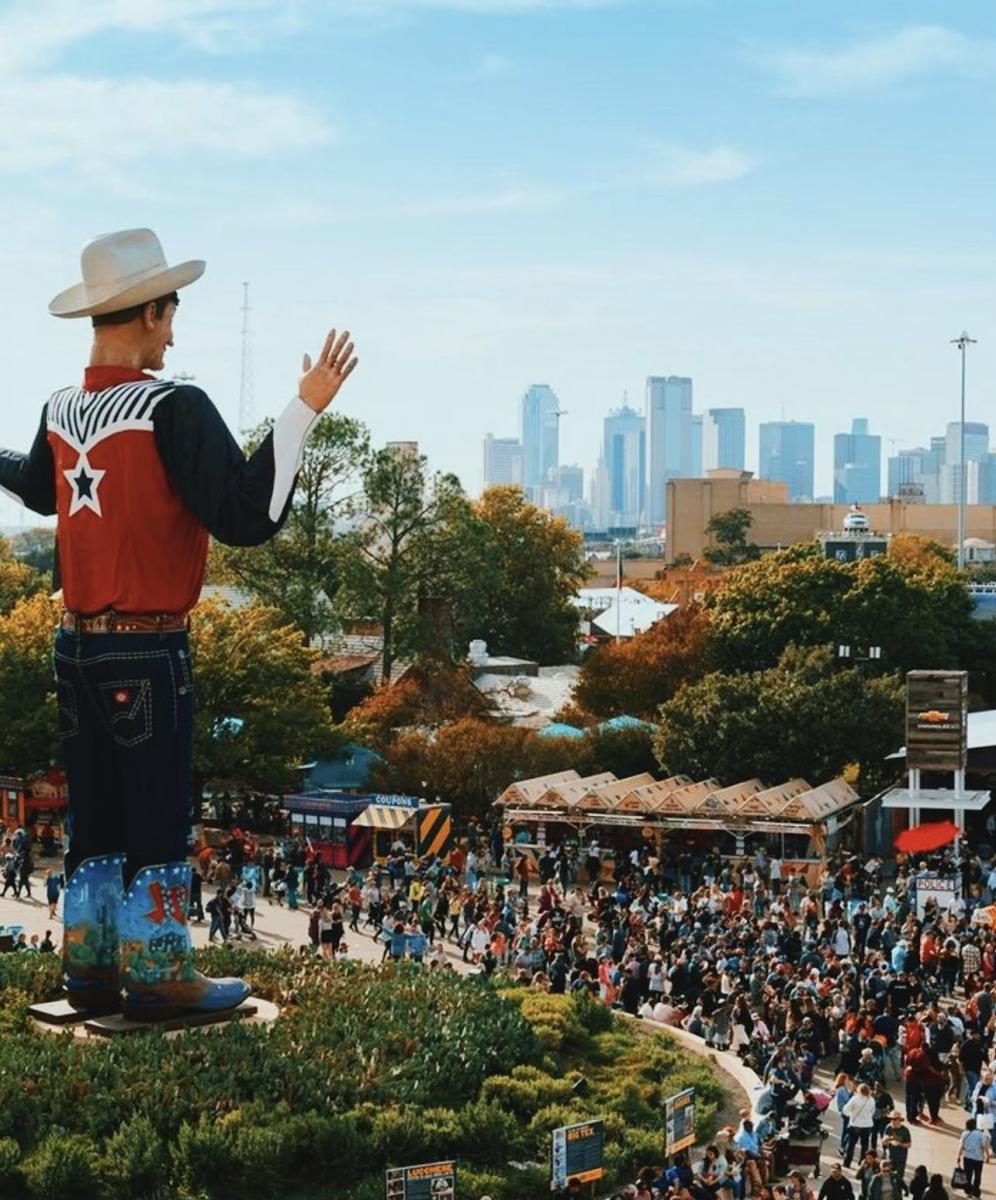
[[117, 1025], [61, 1012]]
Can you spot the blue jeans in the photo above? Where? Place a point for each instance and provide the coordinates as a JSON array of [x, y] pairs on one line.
[[126, 723]]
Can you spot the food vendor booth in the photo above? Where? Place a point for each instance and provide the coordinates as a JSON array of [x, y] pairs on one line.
[[793, 819], [352, 831], [37, 805]]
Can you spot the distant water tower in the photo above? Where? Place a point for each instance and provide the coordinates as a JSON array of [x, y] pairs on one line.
[[856, 540]]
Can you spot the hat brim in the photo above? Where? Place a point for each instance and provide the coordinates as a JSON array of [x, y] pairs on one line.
[[81, 301]]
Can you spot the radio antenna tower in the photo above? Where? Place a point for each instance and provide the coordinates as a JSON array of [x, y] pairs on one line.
[[247, 417]]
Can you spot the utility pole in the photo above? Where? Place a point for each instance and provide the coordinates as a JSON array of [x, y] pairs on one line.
[[962, 342], [247, 418]]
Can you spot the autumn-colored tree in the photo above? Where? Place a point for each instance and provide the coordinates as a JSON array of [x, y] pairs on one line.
[[29, 714], [424, 697], [469, 763], [18, 579], [636, 676], [259, 709]]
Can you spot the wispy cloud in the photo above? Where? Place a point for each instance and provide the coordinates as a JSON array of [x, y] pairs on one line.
[[875, 63], [60, 120], [682, 166], [51, 118]]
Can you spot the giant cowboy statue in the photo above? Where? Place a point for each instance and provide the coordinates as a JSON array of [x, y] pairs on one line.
[[140, 472]]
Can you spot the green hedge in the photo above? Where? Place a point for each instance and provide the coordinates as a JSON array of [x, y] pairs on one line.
[[365, 1068]]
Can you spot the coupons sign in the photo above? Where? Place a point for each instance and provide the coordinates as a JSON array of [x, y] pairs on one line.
[[427, 1181], [577, 1152], [679, 1121]]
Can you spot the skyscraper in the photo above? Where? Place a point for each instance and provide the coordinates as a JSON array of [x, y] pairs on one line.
[[625, 454], [787, 454], [695, 470], [724, 437], [976, 452], [502, 460], [857, 465], [668, 438], [540, 449]]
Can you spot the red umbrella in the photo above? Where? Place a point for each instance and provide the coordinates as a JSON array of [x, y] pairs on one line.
[[931, 836]]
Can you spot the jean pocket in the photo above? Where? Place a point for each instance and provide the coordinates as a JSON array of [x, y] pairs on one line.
[[69, 713], [128, 708]]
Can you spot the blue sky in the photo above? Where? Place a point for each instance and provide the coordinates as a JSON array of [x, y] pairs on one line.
[[792, 203]]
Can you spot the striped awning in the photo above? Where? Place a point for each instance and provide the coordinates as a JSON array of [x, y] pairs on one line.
[[380, 816]]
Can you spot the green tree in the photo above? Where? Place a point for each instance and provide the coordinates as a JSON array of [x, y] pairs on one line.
[[296, 571], [729, 531], [380, 564], [917, 609], [29, 712], [538, 564], [36, 548], [259, 707], [799, 718]]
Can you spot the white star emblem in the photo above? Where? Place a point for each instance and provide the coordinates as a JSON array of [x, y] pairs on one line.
[[83, 481]]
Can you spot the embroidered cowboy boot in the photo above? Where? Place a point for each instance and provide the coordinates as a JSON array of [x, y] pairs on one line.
[[90, 944], [157, 958]]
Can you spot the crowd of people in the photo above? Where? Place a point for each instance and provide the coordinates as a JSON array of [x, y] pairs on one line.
[[847, 973]]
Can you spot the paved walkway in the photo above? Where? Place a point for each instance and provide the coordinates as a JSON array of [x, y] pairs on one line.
[[935, 1147]]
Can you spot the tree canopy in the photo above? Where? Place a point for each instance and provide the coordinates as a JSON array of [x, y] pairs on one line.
[[636, 675], [29, 713], [916, 609], [800, 718], [296, 572], [259, 708]]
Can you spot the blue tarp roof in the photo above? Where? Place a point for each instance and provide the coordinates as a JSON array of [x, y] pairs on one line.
[[348, 770], [625, 722], [559, 729]]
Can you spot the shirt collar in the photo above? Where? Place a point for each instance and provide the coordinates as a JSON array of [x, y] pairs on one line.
[[96, 379]]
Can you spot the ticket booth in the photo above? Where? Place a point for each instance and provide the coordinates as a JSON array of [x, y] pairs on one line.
[[37, 805], [325, 821]]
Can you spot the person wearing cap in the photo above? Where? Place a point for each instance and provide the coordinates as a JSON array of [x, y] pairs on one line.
[[836, 1186], [140, 473]]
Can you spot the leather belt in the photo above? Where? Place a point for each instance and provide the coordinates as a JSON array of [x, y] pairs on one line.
[[115, 622]]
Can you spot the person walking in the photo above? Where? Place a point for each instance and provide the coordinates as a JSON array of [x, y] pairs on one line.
[[896, 1141], [860, 1111], [973, 1151], [53, 889]]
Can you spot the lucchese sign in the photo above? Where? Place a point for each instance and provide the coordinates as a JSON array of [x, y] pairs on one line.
[[936, 720]]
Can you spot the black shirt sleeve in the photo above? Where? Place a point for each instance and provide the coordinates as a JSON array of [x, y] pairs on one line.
[[239, 500], [31, 477]]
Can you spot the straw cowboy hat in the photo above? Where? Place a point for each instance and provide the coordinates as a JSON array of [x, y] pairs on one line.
[[121, 270]]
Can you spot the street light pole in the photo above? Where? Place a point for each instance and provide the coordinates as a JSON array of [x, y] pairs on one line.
[[962, 342]]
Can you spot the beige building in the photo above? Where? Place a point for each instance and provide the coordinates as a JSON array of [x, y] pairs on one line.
[[692, 503]]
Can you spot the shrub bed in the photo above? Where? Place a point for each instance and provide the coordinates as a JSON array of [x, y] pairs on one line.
[[365, 1069]]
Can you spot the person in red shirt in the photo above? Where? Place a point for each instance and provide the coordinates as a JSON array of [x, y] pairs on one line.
[[140, 472]]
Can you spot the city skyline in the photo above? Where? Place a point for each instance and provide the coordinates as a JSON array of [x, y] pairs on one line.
[[494, 192]]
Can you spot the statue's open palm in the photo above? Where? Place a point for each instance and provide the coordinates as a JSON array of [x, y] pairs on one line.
[[321, 381]]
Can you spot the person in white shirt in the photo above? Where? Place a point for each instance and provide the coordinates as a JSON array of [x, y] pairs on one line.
[[860, 1111]]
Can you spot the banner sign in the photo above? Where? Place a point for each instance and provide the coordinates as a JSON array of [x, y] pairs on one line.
[[577, 1152], [936, 720], [427, 1181], [679, 1121], [943, 890]]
